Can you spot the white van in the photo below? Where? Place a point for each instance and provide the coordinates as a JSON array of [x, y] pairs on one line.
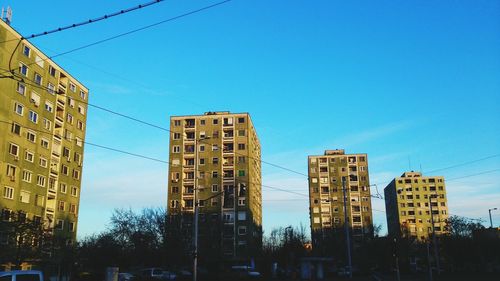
[[21, 275]]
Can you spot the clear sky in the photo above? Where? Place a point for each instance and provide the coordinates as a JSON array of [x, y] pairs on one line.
[[415, 84]]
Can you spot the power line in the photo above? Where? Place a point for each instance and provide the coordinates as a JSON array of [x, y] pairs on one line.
[[89, 21], [92, 144], [116, 36], [23, 79], [465, 163], [473, 175]]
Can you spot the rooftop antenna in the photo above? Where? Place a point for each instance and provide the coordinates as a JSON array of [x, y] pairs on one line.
[[7, 15]]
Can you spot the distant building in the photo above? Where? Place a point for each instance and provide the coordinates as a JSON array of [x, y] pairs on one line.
[[412, 201], [326, 173], [42, 132], [229, 179]]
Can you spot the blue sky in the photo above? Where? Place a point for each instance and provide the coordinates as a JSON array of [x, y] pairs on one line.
[[415, 84]]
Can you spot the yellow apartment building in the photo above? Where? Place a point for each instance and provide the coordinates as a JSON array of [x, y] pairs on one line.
[[326, 173], [413, 202], [223, 151], [42, 132]]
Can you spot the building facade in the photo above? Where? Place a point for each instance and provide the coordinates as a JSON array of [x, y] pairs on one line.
[[326, 201], [219, 154], [413, 202], [42, 132]]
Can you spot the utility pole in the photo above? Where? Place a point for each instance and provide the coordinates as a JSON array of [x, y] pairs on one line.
[[398, 277], [434, 240], [429, 265], [491, 221], [346, 227], [196, 206]]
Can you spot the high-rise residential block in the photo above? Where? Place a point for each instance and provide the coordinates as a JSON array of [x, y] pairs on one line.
[[218, 154], [326, 197], [413, 202], [42, 132]]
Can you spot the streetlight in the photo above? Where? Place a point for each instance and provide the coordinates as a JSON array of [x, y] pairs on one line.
[[489, 211]]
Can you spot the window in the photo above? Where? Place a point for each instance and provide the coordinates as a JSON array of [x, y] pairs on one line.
[[242, 216], [83, 95], [64, 170], [241, 120], [241, 202], [61, 206], [23, 69], [38, 79], [63, 187], [215, 160], [11, 172], [215, 188], [202, 148], [241, 173], [176, 149], [44, 143], [49, 106], [242, 230], [33, 116], [177, 136], [52, 71], [241, 146], [215, 147], [202, 161], [40, 180], [79, 125], [81, 110], [8, 192], [21, 88], [79, 141], [241, 133], [26, 51], [35, 98], [16, 129], [14, 149], [69, 118], [24, 196], [30, 136], [177, 123], [27, 176], [72, 208], [59, 225], [174, 204], [71, 102], [215, 121], [74, 191], [19, 108], [202, 122], [43, 162], [76, 174], [72, 87], [215, 174], [71, 226], [29, 156], [47, 124]]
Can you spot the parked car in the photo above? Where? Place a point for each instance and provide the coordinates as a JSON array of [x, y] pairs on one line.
[[244, 272], [21, 275], [157, 273], [125, 276]]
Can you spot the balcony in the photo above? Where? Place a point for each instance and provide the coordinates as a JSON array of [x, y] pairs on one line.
[[189, 123]]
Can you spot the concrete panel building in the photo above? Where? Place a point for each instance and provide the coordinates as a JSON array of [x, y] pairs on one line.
[[326, 201], [42, 131], [222, 150], [413, 202]]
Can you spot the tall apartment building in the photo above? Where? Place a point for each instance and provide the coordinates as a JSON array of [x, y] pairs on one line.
[[413, 202], [42, 131], [229, 177], [326, 173]]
